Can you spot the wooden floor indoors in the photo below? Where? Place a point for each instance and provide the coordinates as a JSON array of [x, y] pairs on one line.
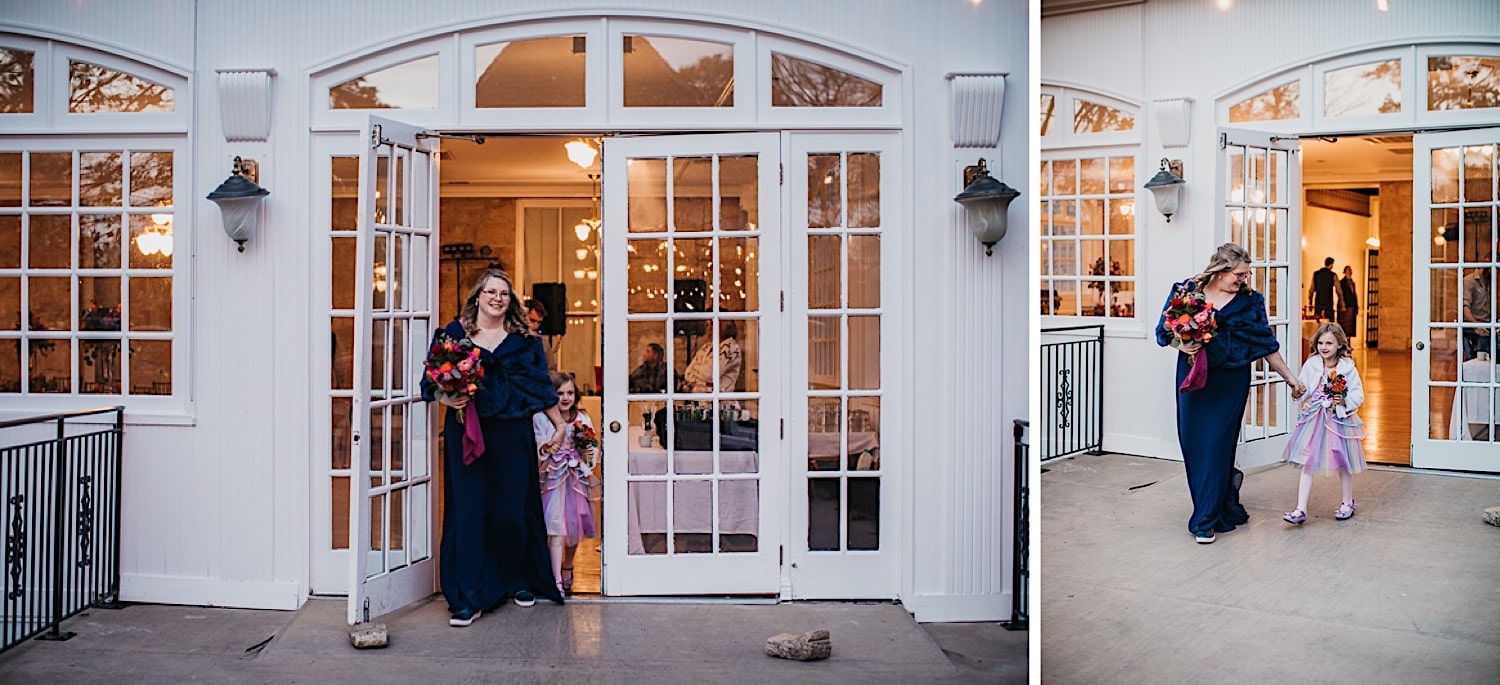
[[1387, 409]]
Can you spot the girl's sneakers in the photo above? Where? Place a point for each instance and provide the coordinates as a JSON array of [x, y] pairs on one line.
[[1345, 511], [1296, 516]]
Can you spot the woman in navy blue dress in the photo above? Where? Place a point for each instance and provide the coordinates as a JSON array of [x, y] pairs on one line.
[[1208, 419], [494, 537]]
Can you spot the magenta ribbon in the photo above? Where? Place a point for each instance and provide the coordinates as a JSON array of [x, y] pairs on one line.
[[473, 436], [1197, 375]]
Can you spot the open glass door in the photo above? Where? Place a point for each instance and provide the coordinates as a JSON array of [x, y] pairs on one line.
[[1454, 385], [1260, 208], [391, 500], [693, 476]]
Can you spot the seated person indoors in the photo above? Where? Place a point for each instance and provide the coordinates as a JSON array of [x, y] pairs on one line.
[[699, 375], [651, 375]]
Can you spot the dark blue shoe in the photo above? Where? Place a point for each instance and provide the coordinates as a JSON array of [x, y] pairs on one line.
[[524, 598], [1204, 537], [463, 618]]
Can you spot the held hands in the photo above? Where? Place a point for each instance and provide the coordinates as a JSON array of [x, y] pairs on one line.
[[551, 447], [593, 457], [1298, 390], [456, 401]]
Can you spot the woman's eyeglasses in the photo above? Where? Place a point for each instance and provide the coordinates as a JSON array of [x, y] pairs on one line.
[[493, 294]]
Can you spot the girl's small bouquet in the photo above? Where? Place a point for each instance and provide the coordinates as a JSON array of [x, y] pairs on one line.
[[453, 367], [1190, 318], [1335, 386]]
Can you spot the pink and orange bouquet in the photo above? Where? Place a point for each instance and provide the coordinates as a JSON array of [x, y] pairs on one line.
[[584, 437], [1336, 386], [453, 366], [1190, 318]]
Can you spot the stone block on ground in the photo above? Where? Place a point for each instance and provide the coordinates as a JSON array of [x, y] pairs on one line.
[[368, 635], [1492, 516], [809, 646]]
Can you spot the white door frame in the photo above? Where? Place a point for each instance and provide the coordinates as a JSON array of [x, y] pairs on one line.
[[1436, 337], [398, 309], [1272, 213], [718, 571]]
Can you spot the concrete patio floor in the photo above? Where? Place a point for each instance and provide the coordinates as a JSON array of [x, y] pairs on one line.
[[582, 642], [1407, 591]]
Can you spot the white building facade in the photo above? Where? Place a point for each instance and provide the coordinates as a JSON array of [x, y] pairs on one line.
[[790, 165], [1304, 129]]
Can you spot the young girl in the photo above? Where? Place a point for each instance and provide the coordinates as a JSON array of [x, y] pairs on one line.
[[566, 478], [1328, 434]]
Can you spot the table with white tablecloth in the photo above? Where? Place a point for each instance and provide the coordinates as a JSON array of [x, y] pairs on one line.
[[692, 499], [1475, 407]]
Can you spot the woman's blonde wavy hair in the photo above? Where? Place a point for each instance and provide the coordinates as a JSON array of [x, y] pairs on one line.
[[1226, 258], [514, 318]]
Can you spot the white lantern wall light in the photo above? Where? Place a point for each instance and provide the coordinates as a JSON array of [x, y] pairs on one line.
[[239, 200]]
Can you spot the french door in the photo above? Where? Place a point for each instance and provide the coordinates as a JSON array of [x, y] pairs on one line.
[[1455, 392], [391, 496], [694, 486], [1259, 200]]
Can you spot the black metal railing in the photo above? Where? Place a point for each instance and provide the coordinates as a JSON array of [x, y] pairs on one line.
[[60, 493], [1072, 403], [1020, 564]]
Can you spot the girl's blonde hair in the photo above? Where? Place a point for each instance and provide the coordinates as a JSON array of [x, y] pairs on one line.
[[514, 318], [1225, 258], [1338, 335]]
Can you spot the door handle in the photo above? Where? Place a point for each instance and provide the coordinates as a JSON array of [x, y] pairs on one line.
[[614, 426], [1420, 346]]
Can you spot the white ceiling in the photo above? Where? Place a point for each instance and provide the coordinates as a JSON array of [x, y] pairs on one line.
[[1356, 160], [514, 162]]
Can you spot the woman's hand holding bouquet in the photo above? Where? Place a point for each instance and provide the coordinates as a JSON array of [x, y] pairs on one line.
[[453, 367], [1190, 318]]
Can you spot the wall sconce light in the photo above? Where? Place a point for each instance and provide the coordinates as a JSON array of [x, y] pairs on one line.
[[1166, 186], [985, 201], [239, 200]]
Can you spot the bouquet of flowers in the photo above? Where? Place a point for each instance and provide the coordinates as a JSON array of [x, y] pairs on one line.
[[1336, 386], [1190, 318], [584, 437], [453, 367]]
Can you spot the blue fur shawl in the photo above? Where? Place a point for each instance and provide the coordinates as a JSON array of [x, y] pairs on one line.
[[1244, 333], [516, 384]]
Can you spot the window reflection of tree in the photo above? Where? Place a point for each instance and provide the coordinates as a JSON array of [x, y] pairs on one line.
[[1354, 90], [97, 89], [16, 81], [1463, 82], [1281, 102], [1092, 117], [799, 83], [355, 94], [1049, 105]]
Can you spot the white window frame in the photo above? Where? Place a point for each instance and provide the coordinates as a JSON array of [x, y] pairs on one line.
[[1406, 117], [52, 88], [891, 88], [326, 118], [1065, 99], [1111, 322], [1453, 117], [746, 90], [595, 57]]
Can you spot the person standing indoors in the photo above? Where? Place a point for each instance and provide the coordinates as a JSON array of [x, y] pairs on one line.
[[494, 537], [1477, 287], [1321, 296], [1208, 419], [536, 312], [1348, 318]]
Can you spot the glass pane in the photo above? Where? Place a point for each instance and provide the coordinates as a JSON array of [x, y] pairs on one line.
[[1479, 173], [411, 85], [825, 187], [100, 179], [864, 433], [378, 282], [864, 352], [1049, 104], [420, 506], [99, 367], [339, 494], [692, 514], [398, 442], [150, 304], [1444, 358], [398, 356], [93, 88], [377, 563], [823, 352], [739, 515], [48, 301], [647, 276], [1064, 217], [1092, 117], [1463, 82], [344, 213], [1281, 102], [10, 365], [677, 72], [1065, 298], [739, 193], [864, 190], [747, 336], [51, 179], [825, 420], [10, 177], [98, 241], [1478, 235], [1443, 303], [50, 365], [1278, 176], [342, 330], [824, 271], [1444, 236], [864, 513], [151, 179], [153, 241], [343, 418], [647, 522], [98, 304], [342, 270], [1121, 216], [1091, 176], [1363, 89], [377, 445], [800, 83], [1445, 174], [648, 195], [17, 81], [692, 275], [1443, 403], [536, 72], [1091, 217], [398, 529], [1065, 177], [1044, 184], [823, 514], [739, 275], [864, 271], [378, 329], [1122, 174], [692, 194], [150, 367], [10, 303]]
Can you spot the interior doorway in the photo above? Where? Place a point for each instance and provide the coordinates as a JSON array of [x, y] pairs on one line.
[[529, 204], [1357, 211]]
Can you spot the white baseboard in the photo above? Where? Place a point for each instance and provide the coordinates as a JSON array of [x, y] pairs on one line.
[[1142, 446], [957, 608], [211, 592]]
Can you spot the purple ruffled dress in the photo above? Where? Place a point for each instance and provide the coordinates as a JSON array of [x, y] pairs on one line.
[[1324, 442]]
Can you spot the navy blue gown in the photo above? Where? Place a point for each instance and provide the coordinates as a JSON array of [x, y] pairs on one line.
[[1208, 419], [494, 537]]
